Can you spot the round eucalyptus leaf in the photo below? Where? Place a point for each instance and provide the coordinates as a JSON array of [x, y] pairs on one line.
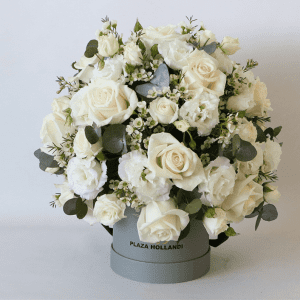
[[236, 143], [246, 152], [194, 206], [269, 213], [91, 135], [91, 48], [82, 210], [254, 214], [70, 207], [113, 138]]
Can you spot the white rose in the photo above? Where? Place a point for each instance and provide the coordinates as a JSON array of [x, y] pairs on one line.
[[82, 147], [108, 45], [157, 35], [261, 104], [225, 63], [220, 179], [168, 158], [182, 125], [65, 193], [86, 178], [272, 197], [53, 130], [230, 45], [103, 102], [246, 195], [175, 53], [131, 166], [112, 69], [272, 155], [252, 166], [214, 226], [201, 112], [205, 37], [163, 110], [59, 105], [246, 130], [202, 73], [245, 97], [133, 54], [161, 221], [109, 209]]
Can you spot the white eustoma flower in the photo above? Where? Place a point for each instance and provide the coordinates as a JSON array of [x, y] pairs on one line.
[[168, 158], [246, 130], [112, 69], [163, 110], [230, 45], [214, 226], [108, 45], [272, 155], [201, 112], [133, 54], [103, 102], [175, 53], [59, 105], [202, 73], [161, 221], [246, 195], [86, 178], [220, 179], [65, 193], [272, 197], [109, 209], [82, 147], [182, 125]]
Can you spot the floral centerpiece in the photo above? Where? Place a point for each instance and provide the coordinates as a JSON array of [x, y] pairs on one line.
[[165, 123]]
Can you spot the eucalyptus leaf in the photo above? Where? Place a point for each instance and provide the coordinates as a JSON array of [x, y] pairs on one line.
[[70, 207], [210, 48], [91, 48], [252, 215], [82, 210], [194, 206], [269, 131], [60, 171], [184, 232], [242, 150], [161, 79], [261, 137], [91, 135], [269, 212], [113, 138], [46, 160], [188, 196], [258, 219], [277, 130], [236, 144]]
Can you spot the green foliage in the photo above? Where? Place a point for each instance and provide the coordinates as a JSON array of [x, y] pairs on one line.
[[269, 213], [114, 140], [242, 150], [91, 48], [250, 65], [129, 68], [261, 137], [75, 206], [277, 130], [100, 156], [91, 135], [194, 206], [210, 212], [154, 50], [230, 232], [137, 26], [142, 46]]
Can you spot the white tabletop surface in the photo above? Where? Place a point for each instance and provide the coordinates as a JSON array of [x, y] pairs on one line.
[[71, 261]]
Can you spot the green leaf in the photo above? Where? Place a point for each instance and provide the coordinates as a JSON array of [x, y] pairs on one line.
[[142, 47], [242, 150], [281, 144], [260, 134], [129, 68], [277, 130], [100, 156], [210, 212], [137, 26], [91, 48], [154, 50], [184, 232], [194, 206], [91, 135], [258, 219], [242, 114], [114, 138], [82, 209], [236, 144], [269, 213], [46, 160], [267, 189], [269, 131], [70, 207], [230, 232]]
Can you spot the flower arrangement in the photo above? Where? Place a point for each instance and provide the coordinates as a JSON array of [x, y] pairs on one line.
[[165, 123]]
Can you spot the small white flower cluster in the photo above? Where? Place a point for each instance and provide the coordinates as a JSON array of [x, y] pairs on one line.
[[155, 63], [207, 143], [139, 74]]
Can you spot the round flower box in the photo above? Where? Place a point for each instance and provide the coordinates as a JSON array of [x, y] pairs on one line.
[[170, 262]]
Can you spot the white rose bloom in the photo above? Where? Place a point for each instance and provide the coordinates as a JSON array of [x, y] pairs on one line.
[[82, 147], [53, 130], [246, 195], [65, 193], [202, 73], [109, 209], [230, 45], [225, 63], [157, 35], [168, 158], [175, 53], [59, 105], [108, 45], [161, 221], [220, 179], [246, 130], [245, 99], [163, 110], [133, 54], [272, 155], [252, 166], [214, 226], [205, 37], [182, 125], [103, 102], [112, 69], [261, 104], [272, 197], [86, 178], [201, 112]]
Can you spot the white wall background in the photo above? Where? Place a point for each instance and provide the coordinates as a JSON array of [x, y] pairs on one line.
[[40, 39]]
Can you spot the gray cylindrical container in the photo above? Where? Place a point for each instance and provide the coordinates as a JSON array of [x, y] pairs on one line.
[[158, 263]]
